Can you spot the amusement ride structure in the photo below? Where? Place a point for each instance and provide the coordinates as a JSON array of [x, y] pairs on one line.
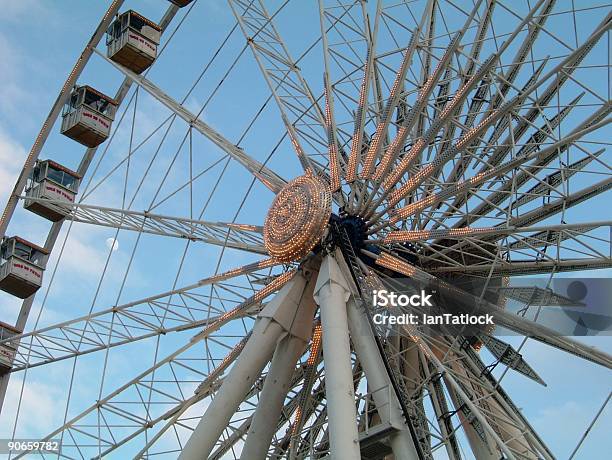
[[452, 146]]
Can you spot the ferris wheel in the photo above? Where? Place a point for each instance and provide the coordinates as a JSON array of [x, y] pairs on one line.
[[266, 182]]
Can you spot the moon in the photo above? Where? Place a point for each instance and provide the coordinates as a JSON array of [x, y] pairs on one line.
[[112, 244]]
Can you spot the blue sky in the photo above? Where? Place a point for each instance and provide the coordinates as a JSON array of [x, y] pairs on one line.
[[39, 41]]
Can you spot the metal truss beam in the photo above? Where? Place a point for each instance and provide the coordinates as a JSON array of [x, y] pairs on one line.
[[400, 236], [536, 296], [265, 175], [562, 73], [172, 311], [520, 267], [533, 170], [172, 415], [238, 236], [299, 110], [561, 204], [507, 355], [131, 403], [507, 80]]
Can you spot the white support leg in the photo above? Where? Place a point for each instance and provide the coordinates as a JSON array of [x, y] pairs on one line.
[[276, 385], [256, 353], [271, 399], [331, 293], [378, 379], [248, 367]]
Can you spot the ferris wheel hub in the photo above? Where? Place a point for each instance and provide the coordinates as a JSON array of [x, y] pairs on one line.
[[297, 218]]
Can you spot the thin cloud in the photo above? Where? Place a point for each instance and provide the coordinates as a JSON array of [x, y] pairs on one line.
[[17, 12], [40, 398], [12, 154]]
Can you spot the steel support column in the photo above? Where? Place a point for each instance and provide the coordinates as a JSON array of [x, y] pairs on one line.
[[269, 329], [376, 374], [271, 399], [298, 324], [252, 360], [332, 293]]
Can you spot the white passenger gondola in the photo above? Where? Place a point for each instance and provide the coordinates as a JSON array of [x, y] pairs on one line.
[[21, 267], [51, 181], [132, 41], [7, 349], [88, 116]]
